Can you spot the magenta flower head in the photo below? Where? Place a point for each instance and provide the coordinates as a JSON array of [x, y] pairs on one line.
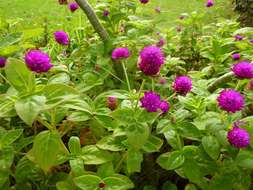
[[120, 53], [63, 2], [231, 100], [112, 102], [164, 106], [209, 3], [182, 85], [150, 60], [158, 9], [38, 61], [2, 62], [238, 137], [251, 41], [236, 56], [73, 6], [161, 42], [243, 70], [239, 38], [151, 101], [106, 13], [144, 1], [61, 37]]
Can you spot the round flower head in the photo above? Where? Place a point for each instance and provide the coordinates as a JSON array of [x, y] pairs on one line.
[[151, 59], [161, 42], [151, 101], [112, 102], [73, 6], [144, 1], [38, 61], [238, 137], [120, 53], [106, 13], [238, 38], [182, 85], [164, 106], [209, 3], [2, 62], [243, 70], [236, 56], [231, 100], [61, 37], [63, 2], [158, 9]]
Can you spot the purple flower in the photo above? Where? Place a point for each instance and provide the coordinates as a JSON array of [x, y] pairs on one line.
[[231, 100], [73, 6], [63, 2], [144, 1], [164, 106], [112, 102], [158, 9], [120, 53], [151, 101], [161, 42], [182, 85], [243, 70], [2, 62], [38, 61], [106, 13], [251, 41], [238, 38], [209, 3], [238, 137], [251, 85], [236, 56], [61, 37], [150, 60]]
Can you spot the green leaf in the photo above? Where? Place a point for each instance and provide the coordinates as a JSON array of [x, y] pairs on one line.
[[169, 186], [48, 150], [87, 182], [105, 170], [92, 155], [137, 135], [7, 106], [153, 144], [171, 160], [211, 146], [74, 145], [190, 187], [117, 182], [124, 116], [19, 76], [188, 130], [134, 160], [11, 136], [29, 108], [245, 159], [111, 143], [6, 159]]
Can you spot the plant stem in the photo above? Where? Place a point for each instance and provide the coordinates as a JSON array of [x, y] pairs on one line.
[[118, 166], [46, 124], [139, 93], [125, 72], [153, 84]]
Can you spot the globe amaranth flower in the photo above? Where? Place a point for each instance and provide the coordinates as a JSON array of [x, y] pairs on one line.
[[209, 3], [151, 59], [38, 61], [2, 62], [144, 1], [239, 38], [73, 6], [112, 102], [61, 37], [236, 56], [164, 106], [161, 42], [238, 137], [106, 13], [243, 70], [120, 53], [231, 100], [182, 85], [63, 2], [151, 101]]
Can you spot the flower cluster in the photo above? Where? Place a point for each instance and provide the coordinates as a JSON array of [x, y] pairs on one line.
[[238, 137], [243, 70], [210, 3], [120, 53], [182, 85], [236, 56], [61, 37], [73, 6]]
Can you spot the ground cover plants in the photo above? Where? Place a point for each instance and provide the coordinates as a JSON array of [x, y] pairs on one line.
[[119, 101]]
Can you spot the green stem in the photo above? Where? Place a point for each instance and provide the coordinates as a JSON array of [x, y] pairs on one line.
[[46, 124], [125, 72], [1, 75], [139, 93], [153, 84]]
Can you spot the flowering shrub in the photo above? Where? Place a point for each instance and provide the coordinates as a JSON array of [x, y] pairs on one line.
[[128, 104]]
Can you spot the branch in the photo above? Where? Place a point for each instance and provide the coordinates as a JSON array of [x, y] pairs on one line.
[[221, 80], [85, 6]]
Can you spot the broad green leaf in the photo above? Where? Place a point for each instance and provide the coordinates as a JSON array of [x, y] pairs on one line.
[[74, 145], [11, 136], [245, 159], [134, 160], [11, 39], [169, 186], [7, 106], [59, 78], [19, 76], [190, 187], [111, 143], [211, 146], [137, 135], [29, 108], [87, 182], [188, 130], [105, 170], [92, 155], [171, 160], [6, 159], [124, 116], [48, 150], [153, 144], [117, 182]]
